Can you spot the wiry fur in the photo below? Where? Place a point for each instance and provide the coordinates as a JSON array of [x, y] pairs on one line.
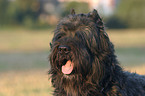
[[96, 70]]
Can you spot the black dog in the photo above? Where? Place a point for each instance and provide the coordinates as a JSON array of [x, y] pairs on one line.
[[83, 62]]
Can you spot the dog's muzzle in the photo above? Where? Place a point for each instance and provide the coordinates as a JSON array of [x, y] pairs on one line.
[[65, 60], [64, 49]]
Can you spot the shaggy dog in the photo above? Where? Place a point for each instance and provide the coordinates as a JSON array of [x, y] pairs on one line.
[[83, 62]]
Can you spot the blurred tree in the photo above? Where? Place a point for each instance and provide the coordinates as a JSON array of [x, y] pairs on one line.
[[114, 22], [132, 12], [3, 11], [27, 12], [80, 7], [19, 12]]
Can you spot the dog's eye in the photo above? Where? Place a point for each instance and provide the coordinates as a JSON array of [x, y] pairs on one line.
[[59, 36], [77, 35]]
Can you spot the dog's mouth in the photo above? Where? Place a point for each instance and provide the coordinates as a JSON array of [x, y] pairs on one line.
[[67, 67]]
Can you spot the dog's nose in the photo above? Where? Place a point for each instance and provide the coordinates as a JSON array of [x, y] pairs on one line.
[[63, 49]]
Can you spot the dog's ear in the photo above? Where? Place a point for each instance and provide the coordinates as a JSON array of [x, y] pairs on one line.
[[99, 24], [72, 12], [94, 14], [96, 18]]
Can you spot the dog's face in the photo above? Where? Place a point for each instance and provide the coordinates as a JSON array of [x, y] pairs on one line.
[[77, 40]]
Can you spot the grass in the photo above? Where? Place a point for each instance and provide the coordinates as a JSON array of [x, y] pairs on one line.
[[127, 38], [24, 59], [25, 40], [22, 83]]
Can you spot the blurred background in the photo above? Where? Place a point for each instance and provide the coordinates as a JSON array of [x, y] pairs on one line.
[[26, 29]]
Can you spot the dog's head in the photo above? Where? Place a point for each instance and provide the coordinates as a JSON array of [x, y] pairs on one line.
[[80, 45]]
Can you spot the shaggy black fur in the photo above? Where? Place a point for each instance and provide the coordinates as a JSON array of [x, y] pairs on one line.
[[81, 39]]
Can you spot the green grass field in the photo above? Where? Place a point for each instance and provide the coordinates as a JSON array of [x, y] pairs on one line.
[[24, 59]]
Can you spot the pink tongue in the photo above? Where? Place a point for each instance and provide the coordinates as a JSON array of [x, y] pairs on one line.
[[67, 68]]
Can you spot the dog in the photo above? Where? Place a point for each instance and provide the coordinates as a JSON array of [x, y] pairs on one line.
[[83, 60]]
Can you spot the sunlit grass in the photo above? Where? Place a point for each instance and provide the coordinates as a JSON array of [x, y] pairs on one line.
[[25, 40], [127, 38], [25, 83], [138, 69]]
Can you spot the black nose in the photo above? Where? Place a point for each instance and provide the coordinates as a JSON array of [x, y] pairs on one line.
[[64, 49]]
